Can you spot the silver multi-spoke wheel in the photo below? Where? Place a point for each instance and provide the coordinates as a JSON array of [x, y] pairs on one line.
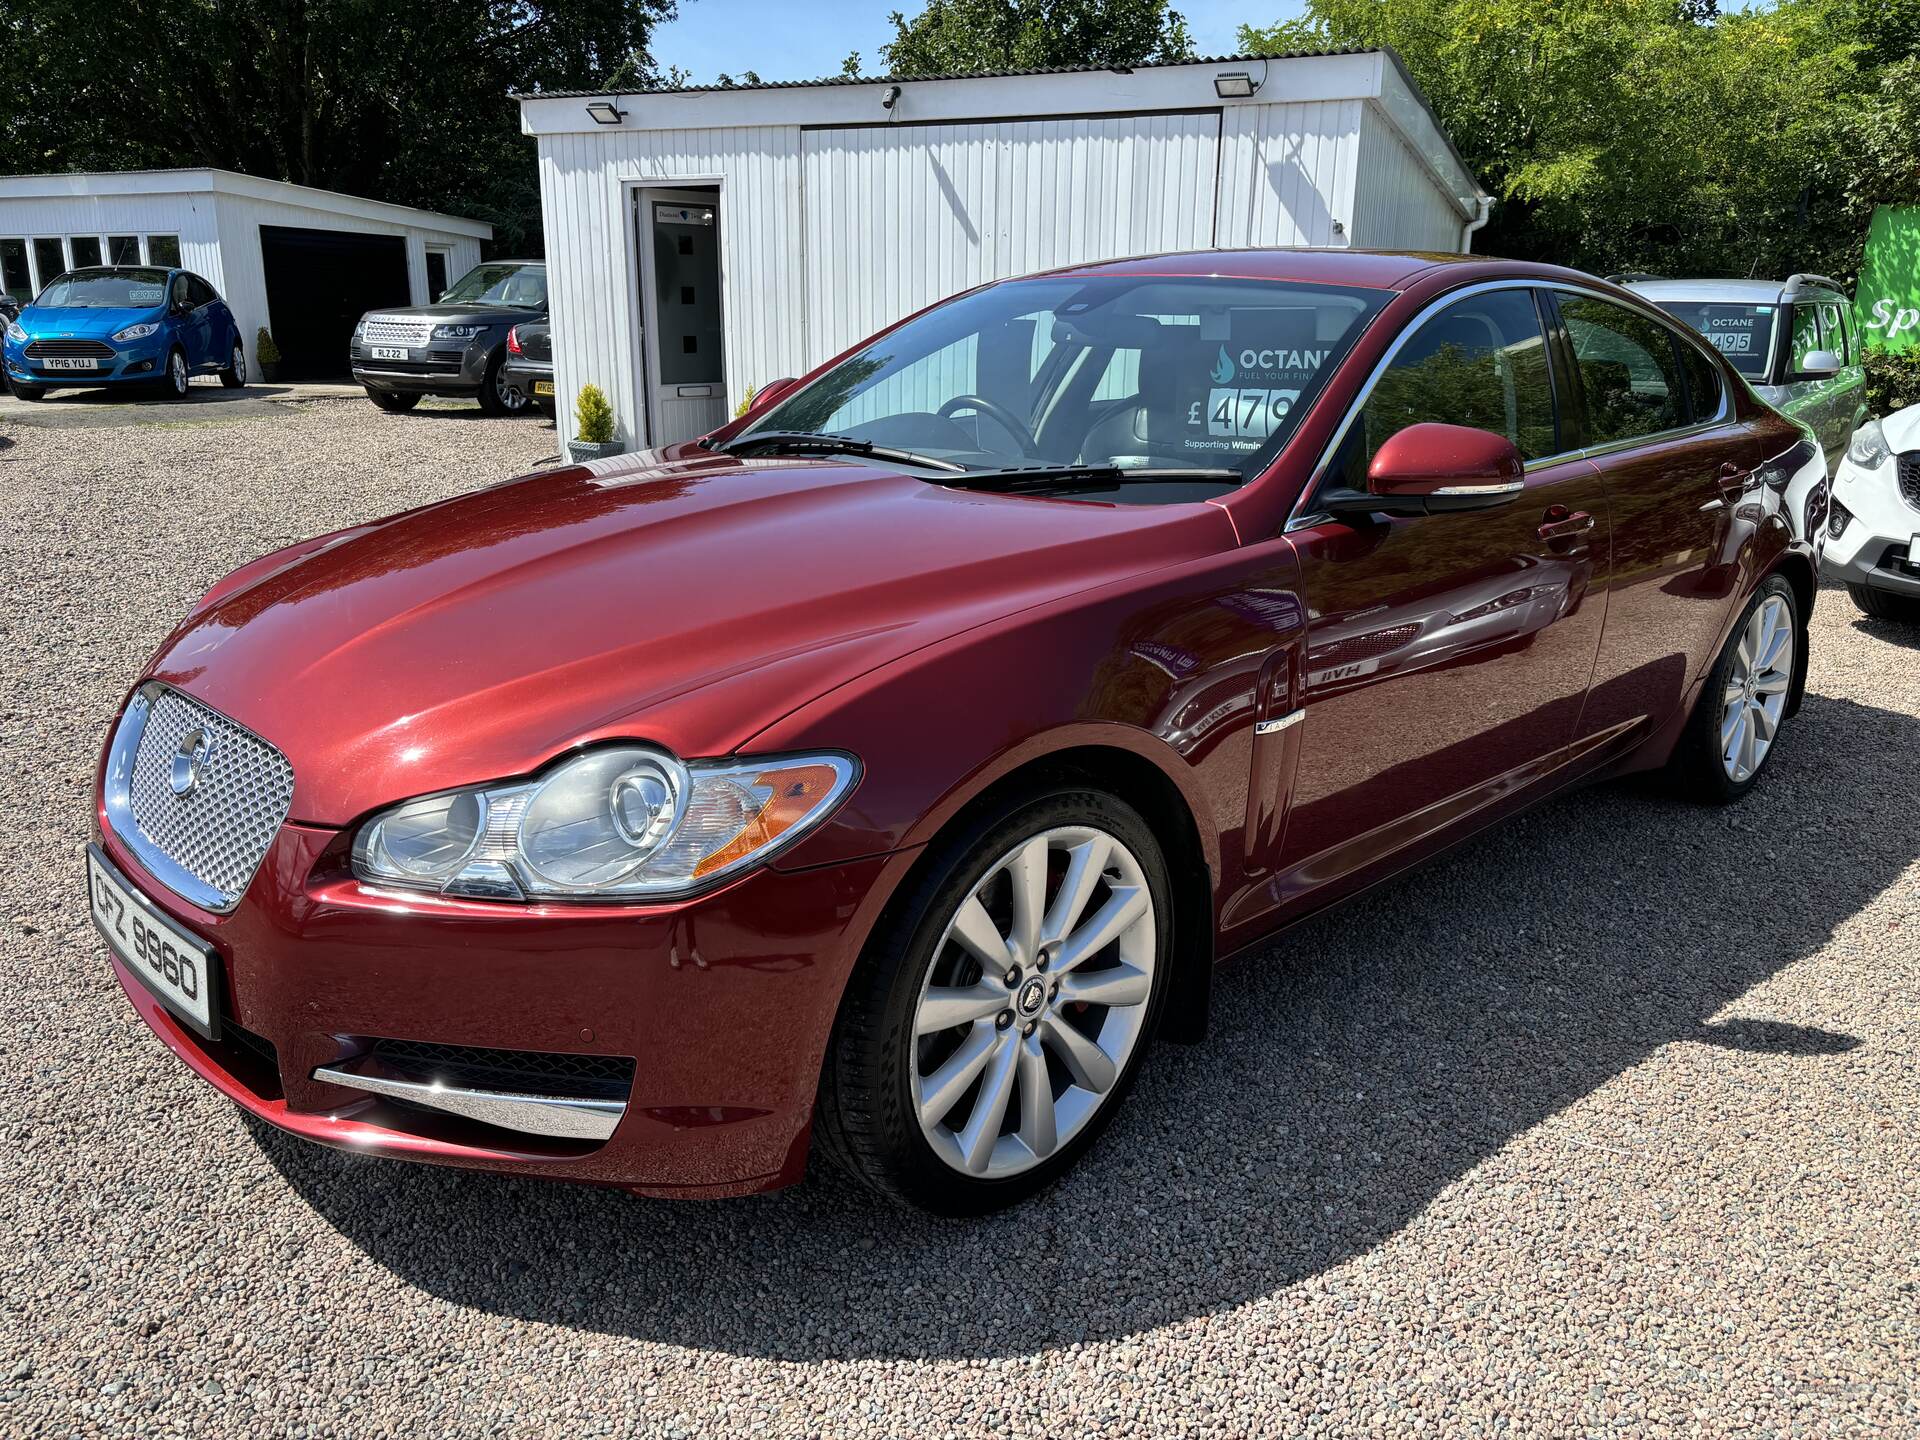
[[177, 372], [1755, 697], [1036, 997]]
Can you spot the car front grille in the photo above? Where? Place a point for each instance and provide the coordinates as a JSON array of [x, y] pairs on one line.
[[396, 330], [207, 840], [69, 350], [1910, 478], [528, 1072]]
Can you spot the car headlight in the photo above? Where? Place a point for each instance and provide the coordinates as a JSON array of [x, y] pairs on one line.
[[16, 334], [457, 332], [627, 821], [1869, 446], [136, 332]]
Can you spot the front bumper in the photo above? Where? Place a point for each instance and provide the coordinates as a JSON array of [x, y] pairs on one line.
[[447, 368], [1875, 547], [135, 362], [724, 1003]]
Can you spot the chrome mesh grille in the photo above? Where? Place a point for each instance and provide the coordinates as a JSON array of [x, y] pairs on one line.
[[219, 831], [394, 330], [1910, 478]]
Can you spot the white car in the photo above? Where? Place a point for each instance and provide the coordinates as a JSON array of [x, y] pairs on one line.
[[1873, 524]]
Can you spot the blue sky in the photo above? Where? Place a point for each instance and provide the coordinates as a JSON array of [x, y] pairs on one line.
[[805, 39]]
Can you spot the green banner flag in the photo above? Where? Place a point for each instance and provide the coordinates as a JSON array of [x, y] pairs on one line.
[[1886, 304]]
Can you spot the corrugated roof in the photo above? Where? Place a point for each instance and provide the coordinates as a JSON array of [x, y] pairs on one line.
[[957, 75]]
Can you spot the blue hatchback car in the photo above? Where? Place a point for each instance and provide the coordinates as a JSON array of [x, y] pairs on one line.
[[123, 325]]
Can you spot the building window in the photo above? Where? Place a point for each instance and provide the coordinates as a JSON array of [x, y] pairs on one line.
[[163, 250], [50, 259], [14, 278], [123, 249], [86, 250]]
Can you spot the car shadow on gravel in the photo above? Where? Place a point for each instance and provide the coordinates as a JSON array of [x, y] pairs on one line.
[[1362, 1064]]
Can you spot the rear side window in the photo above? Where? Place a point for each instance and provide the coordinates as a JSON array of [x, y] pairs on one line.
[[1480, 362], [1629, 369], [1703, 385]]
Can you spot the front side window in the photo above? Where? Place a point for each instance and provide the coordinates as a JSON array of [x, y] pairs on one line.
[[108, 290], [1481, 362], [1742, 333], [1629, 369], [1806, 335], [1134, 373], [521, 286], [199, 291]]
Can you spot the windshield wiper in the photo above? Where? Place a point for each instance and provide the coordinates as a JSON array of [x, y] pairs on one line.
[[802, 442], [1086, 477]]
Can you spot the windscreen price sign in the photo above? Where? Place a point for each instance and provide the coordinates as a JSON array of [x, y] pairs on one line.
[[1237, 409]]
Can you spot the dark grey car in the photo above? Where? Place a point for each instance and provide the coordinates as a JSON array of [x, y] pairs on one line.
[[455, 346]]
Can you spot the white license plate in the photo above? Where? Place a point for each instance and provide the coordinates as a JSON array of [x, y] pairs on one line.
[[181, 970], [388, 352], [543, 387], [68, 364]]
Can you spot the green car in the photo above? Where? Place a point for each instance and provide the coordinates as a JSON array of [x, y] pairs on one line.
[[1793, 340]]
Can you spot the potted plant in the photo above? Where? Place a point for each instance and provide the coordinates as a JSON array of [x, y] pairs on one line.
[[593, 425], [268, 354]]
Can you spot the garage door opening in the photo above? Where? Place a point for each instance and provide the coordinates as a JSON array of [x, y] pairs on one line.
[[319, 284], [685, 385]]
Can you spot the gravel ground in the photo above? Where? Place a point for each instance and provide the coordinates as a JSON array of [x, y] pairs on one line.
[[1608, 1123]]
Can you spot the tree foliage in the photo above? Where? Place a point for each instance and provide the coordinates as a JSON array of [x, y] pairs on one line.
[[1663, 136], [956, 36], [404, 102]]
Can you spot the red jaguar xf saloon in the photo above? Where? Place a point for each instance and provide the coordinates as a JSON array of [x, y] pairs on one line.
[[883, 771]]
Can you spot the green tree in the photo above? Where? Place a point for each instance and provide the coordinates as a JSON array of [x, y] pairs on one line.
[[1636, 134], [405, 102], [953, 37]]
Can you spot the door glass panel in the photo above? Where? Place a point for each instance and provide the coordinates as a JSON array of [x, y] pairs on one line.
[[686, 281], [50, 260], [1629, 371], [1480, 362], [163, 250], [1703, 385], [123, 249], [1806, 333], [86, 250], [1832, 335], [1742, 333], [14, 278]]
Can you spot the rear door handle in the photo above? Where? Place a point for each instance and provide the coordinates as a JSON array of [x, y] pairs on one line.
[[1562, 524]]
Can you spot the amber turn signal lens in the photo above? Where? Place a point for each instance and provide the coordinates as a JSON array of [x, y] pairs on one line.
[[797, 791]]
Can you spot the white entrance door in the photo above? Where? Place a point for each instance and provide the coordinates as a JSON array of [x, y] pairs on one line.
[[686, 371]]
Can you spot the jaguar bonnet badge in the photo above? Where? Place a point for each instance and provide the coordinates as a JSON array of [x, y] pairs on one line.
[[190, 761]]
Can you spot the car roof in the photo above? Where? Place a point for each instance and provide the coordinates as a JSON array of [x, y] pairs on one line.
[[1727, 292], [1383, 269]]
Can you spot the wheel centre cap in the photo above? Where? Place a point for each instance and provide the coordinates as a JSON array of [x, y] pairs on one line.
[[1032, 996]]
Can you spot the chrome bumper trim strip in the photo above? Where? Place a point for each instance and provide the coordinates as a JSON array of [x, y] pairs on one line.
[[566, 1118]]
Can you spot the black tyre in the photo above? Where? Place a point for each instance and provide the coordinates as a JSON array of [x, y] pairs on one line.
[[996, 1021], [1883, 606], [394, 402], [1731, 734], [177, 380], [497, 396], [235, 375], [29, 393]]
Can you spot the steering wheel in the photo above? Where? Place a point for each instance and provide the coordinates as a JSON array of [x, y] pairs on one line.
[[999, 414]]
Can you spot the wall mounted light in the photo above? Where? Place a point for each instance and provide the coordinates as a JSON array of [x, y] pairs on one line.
[[605, 112], [1233, 85], [889, 97]]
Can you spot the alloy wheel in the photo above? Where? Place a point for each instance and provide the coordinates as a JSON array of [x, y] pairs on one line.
[[177, 372], [239, 364], [1036, 998], [1756, 690], [511, 400]]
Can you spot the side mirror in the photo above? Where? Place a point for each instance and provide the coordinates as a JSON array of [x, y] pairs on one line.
[[1432, 469], [1819, 362]]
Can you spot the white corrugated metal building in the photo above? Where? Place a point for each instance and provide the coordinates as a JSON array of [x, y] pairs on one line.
[[701, 242], [287, 257]]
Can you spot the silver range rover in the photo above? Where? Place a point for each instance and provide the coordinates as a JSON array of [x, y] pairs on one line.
[[455, 346], [1793, 339]]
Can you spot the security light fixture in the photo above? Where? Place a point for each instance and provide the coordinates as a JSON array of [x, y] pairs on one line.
[[605, 112], [1233, 85], [889, 97]]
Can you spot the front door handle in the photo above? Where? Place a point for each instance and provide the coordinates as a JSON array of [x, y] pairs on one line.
[[1559, 523], [1735, 479]]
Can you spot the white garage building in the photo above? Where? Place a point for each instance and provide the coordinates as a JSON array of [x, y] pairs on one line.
[[303, 263], [701, 242]]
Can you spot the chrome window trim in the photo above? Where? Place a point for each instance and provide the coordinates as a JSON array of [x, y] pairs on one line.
[[1302, 516]]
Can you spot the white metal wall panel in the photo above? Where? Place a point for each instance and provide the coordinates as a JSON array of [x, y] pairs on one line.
[[586, 185], [898, 217], [1398, 203], [1287, 173], [191, 217]]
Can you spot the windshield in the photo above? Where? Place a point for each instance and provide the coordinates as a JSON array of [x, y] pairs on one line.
[[522, 286], [1133, 373], [106, 290], [1742, 333]]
